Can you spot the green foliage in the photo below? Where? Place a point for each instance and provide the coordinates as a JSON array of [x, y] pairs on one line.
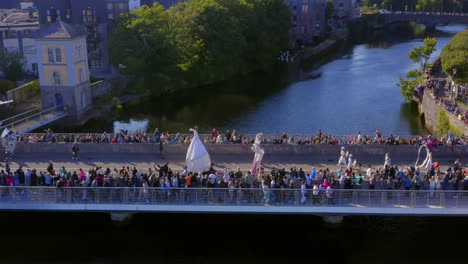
[[12, 65], [455, 56], [200, 41], [5, 86], [407, 86], [422, 54], [444, 126], [32, 88]]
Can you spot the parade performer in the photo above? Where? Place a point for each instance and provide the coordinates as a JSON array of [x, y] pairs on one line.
[[342, 159], [259, 152], [198, 158], [350, 161], [387, 162], [9, 140], [427, 163]]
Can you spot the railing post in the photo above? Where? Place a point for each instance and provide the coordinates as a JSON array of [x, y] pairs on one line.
[[383, 199], [182, 196], [96, 195], [69, 195], [398, 197], [413, 199], [442, 199]]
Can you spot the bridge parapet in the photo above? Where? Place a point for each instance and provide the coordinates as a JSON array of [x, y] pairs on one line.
[[236, 200]]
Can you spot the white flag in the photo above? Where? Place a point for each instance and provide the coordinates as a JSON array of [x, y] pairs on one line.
[[5, 132]]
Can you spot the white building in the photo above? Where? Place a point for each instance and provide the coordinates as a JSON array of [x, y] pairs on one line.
[[16, 26], [134, 4]]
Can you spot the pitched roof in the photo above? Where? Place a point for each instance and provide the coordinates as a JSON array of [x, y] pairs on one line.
[[60, 30]]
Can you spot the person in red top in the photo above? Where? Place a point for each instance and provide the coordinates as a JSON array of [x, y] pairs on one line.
[[214, 134]]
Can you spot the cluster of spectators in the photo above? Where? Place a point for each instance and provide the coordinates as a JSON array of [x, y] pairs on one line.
[[277, 186], [233, 137]]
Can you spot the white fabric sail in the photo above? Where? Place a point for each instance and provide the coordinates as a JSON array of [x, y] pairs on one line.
[[197, 159]]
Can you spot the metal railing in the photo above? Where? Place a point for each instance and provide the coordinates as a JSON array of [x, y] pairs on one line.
[[11, 122], [234, 197]]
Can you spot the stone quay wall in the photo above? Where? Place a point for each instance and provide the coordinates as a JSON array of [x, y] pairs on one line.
[[430, 109], [326, 151]]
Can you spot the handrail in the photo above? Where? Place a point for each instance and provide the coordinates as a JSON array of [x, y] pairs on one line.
[[43, 112], [353, 199]]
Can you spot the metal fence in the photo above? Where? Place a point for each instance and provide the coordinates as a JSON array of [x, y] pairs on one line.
[[235, 197]]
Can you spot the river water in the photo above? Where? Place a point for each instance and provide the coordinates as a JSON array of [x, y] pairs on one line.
[[355, 91]]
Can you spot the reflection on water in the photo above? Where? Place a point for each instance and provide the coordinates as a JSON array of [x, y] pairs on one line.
[[355, 92], [131, 126], [175, 238]]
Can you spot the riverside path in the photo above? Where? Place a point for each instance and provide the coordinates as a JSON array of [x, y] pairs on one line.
[[121, 201]]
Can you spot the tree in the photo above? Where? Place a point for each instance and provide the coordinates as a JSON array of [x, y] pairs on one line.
[[12, 64], [422, 54], [455, 56]]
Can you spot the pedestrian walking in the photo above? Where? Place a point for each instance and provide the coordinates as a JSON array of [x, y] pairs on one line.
[[161, 149], [75, 150]]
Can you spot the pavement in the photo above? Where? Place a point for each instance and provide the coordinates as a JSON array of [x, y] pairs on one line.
[[40, 161]]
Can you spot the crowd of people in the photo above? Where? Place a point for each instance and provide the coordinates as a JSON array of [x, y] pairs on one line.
[[232, 137], [276, 186]]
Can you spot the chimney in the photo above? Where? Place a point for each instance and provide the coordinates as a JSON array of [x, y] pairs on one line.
[[30, 12]]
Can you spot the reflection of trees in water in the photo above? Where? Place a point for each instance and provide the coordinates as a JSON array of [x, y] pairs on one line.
[[410, 113]]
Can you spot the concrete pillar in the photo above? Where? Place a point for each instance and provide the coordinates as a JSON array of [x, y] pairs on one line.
[[120, 217], [333, 219]]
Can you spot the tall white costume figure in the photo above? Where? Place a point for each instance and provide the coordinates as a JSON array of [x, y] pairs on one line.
[[350, 161], [342, 159], [259, 152], [9, 140], [387, 160], [197, 159], [427, 163]]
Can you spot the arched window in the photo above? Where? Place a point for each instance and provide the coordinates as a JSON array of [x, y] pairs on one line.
[[56, 78], [58, 55]]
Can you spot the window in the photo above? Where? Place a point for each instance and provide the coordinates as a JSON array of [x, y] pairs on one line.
[[58, 14], [83, 100], [89, 15], [110, 6], [68, 14], [81, 75], [78, 53], [34, 67], [56, 78], [29, 50], [52, 15], [122, 6], [95, 64], [58, 55], [50, 53], [110, 16]]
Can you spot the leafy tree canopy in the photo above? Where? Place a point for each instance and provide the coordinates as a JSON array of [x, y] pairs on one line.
[[454, 56]]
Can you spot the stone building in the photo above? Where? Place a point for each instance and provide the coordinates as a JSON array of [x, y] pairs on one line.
[[63, 68], [307, 21]]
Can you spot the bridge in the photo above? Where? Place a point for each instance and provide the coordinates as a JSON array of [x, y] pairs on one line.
[[121, 202], [33, 119], [430, 19]]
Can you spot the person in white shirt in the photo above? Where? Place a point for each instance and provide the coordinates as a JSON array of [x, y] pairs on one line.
[[212, 180], [369, 172]]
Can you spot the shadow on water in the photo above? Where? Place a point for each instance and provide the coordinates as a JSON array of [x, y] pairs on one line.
[[410, 113], [164, 238]]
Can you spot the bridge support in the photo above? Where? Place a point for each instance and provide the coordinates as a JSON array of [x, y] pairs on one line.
[[120, 217], [333, 219]]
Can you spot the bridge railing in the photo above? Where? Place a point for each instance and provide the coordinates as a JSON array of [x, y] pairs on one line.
[[234, 197], [13, 121]]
